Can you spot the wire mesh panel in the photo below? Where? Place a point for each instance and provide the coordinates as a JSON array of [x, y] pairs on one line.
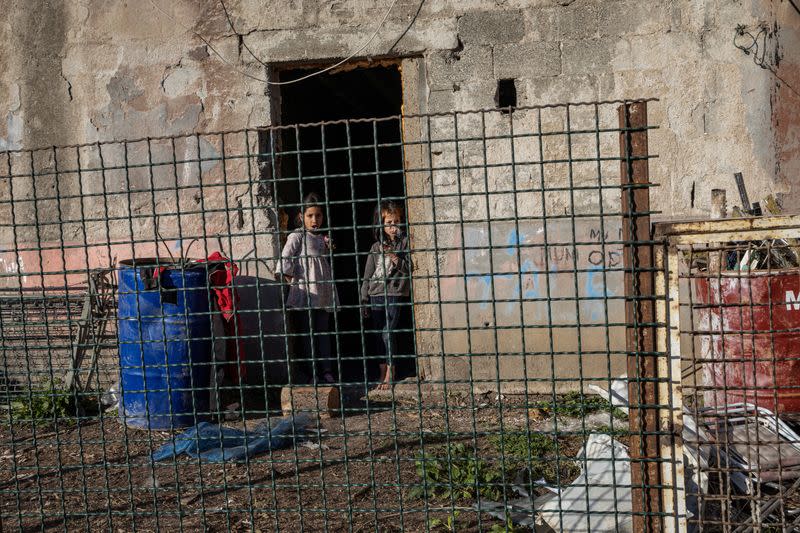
[[415, 323], [739, 344]]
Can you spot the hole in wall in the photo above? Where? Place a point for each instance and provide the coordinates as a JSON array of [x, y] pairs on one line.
[[506, 96]]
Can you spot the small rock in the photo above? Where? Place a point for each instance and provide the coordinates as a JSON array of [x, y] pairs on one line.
[[537, 414], [151, 481], [190, 498]]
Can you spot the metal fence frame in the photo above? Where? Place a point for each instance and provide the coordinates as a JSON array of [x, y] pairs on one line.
[[656, 476], [695, 236]]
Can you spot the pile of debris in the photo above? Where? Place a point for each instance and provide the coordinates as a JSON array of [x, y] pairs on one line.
[[768, 254], [741, 467]]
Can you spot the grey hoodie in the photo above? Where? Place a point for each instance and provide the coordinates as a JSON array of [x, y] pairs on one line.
[[387, 279]]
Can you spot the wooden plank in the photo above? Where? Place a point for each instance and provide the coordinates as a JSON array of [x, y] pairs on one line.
[[324, 401]]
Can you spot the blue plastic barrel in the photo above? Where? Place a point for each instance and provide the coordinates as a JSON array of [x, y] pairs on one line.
[[165, 346]]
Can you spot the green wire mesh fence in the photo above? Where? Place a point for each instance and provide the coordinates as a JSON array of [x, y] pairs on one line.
[[405, 323]]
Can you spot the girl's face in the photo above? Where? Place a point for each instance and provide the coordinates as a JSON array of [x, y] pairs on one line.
[[312, 218], [391, 223]]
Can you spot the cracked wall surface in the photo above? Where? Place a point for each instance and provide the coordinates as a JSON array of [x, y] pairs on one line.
[[99, 70]]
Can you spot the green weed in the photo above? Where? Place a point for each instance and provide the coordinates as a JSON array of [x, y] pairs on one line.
[[50, 403], [519, 446], [456, 473], [508, 527], [576, 404], [448, 524], [541, 450]]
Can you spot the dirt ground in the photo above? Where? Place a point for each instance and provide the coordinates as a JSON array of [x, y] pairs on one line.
[[356, 475]]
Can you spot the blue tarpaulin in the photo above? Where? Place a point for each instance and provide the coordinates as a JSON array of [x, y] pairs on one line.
[[215, 444]]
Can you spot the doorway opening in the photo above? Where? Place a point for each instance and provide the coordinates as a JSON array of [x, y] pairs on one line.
[[352, 163]]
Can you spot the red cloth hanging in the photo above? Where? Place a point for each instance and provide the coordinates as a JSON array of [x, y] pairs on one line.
[[221, 282]]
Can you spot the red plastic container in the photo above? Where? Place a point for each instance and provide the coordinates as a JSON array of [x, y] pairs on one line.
[[749, 326]]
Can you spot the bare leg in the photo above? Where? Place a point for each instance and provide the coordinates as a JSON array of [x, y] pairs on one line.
[[387, 377], [382, 377]]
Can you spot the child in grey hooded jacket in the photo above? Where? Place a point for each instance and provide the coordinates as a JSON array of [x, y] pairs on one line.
[[386, 285]]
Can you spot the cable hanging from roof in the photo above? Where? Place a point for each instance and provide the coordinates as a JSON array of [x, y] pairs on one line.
[[246, 47], [316, 72], [756, 45]]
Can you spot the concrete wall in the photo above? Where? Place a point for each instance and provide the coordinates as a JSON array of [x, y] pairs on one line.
[[786, 101], [98, 70]]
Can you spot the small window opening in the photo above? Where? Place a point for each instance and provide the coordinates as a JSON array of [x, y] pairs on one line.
[[506, 95]]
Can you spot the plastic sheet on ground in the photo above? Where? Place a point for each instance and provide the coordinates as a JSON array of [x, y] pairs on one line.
[[605, 484], [600, 498], [215, 444], [587, 423], [617, 396], [519, 511], [697, 449]]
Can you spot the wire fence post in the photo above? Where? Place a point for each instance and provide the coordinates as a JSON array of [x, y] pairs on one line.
[[640, 318]]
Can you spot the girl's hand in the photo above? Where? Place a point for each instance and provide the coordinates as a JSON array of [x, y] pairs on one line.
[[387, 251], [365, 312], [287, 279]]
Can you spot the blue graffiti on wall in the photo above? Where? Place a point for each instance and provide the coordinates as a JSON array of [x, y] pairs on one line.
[[507, 279]]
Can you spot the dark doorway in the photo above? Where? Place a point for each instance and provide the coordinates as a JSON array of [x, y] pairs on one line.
[[352, 163]]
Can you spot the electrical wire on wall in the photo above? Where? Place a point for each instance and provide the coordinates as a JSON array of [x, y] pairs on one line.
[[317, 72], [312, 74], [755, 44]]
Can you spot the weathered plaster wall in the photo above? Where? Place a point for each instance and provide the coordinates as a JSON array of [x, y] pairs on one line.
[[786, 102], [98, 70], [89, 70]]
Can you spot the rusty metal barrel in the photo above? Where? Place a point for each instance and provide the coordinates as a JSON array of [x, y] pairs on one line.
[[749, 332]]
